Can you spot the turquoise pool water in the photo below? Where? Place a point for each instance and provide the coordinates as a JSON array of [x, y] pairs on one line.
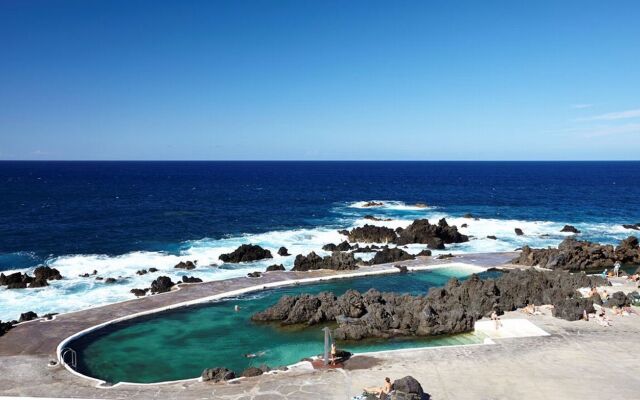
[[179, 344]]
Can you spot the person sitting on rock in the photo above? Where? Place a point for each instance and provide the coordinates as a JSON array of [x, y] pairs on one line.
[[383, 391]]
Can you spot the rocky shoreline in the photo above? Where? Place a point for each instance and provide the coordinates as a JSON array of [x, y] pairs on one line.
[[452, 309]]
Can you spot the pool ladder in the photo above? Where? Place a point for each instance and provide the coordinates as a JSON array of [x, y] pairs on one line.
[[74, 357]]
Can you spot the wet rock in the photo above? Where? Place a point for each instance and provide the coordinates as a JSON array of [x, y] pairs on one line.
[[374, 218], [188, 265], [254, 274], [110, 280], [217, 375], [424, 253], [468, 215], [246, 253], [282, 251], [28, 316], [142, 272], [344, 246], [161, 284], [464, 226], [99, 278], [85, 275], [46, 273], [37, 283], [569, 228], [435, 236], [336, 261], [344, 232], [275, 267], [372, 234], [191, 279], [373, 204], [635, 227], [49, 316], [410, 388], [492, 237], [519, 231], [251, 372], [139, 292], [153, 269], [17, 280], [389, 255]]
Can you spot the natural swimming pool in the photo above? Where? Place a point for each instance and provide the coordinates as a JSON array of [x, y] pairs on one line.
[[180, 343]]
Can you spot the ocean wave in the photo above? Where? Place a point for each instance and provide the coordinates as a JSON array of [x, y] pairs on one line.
[[390, 205], [75, 292]]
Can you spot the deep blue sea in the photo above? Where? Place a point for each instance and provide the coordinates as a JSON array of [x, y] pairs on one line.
[[118, 217]]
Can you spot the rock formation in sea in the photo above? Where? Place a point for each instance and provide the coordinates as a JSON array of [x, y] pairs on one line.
[[336, 261], [451, 309], [283, 251], [27, 316], [434, 236], [577, 255], [372, 234], [635, 227], [569, 228], [41, 276], [188, 265], [246, 253], [519, 231]]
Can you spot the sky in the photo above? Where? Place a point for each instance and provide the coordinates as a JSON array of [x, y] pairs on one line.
[[319, 80]]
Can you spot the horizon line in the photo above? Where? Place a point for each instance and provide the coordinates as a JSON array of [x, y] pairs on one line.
[[316, 160]]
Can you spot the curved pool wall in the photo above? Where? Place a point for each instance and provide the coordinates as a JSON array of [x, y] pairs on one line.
[[179, 343]]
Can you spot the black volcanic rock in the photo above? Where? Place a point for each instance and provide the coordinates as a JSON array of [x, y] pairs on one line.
[[424, 253], [275, 267], [27, 316], [246, 253], [453, 308], [161, 284], [188, 265], [191, 279], [435, 236], [217, 375], [46, 273], [344, 246], [410, 389], [5, 327], [139, 292], [635, 227], [569, 228], [254, 274], [336, 261], [282, 251], [372, 234], [492, 237], [389, 255], [576, 255], [519, 231]]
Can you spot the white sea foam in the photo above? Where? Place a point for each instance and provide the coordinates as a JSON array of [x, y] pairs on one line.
[[390, 205], [74, 292]]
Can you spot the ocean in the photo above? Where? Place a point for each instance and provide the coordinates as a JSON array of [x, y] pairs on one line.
[[119, 217]]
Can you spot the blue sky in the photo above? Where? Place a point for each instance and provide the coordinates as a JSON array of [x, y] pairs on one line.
[[424, 80]]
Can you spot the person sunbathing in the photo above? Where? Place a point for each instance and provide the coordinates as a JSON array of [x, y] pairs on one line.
[[382, 391], [602, 318]]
